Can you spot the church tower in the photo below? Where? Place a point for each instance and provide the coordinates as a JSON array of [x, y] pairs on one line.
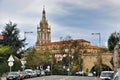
[[43, 31]]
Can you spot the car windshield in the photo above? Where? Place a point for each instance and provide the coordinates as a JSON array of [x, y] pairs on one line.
[[38, 71], [13, 73], [29, 71], [106, 74]]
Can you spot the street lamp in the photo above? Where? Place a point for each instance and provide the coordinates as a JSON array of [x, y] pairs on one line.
[[99, 37], [25, 35], [99, 55]]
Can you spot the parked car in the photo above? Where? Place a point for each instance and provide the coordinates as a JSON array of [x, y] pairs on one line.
[[90, 74], [21, 75], [117, 75], [79, 73], [38, 72], [42, 73], [106, 75], [29, 72], [25, 74], [34, 74], [13, 76]]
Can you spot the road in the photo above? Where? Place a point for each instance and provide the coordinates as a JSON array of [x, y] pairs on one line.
[[57, 77]]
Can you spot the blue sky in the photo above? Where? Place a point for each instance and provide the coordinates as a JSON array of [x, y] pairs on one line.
[[77, 18]]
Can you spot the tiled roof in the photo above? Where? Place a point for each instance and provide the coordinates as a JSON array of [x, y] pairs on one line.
[[93, 47], [58, 43], [82, 40]]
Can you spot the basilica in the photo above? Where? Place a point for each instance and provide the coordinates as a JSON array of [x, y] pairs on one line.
[[44, 41]]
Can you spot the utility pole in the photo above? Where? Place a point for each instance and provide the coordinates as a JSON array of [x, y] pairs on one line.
[[99, 54], [25, 35], [99, 38]]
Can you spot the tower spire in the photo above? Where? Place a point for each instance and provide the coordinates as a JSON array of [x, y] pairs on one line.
[[43, 31], [43, 14]]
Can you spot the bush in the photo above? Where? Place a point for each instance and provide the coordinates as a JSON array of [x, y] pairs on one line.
[[4, 67], [58, 70]]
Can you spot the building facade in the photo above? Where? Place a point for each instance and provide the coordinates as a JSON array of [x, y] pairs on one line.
[[44, 40], [60, 49], [43, 31]]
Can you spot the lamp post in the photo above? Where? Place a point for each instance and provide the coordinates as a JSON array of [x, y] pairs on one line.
[[99, 55], [99, 38], [30, 32]]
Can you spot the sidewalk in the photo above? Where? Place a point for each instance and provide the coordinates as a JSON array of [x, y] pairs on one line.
[[2, 78]]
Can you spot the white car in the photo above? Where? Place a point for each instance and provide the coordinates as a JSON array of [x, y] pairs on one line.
[[117, 75], [106, 75], [90, 74], [29, 72]]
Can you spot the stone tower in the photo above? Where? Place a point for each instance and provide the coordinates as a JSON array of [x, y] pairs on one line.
[[43, 31], [116, 57]]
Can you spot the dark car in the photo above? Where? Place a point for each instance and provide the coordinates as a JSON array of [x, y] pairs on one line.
[[38, 72], [13, 76], [26, 75]]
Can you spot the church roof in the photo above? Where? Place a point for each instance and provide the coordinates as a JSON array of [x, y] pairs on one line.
[[58, 43], [92, 47]]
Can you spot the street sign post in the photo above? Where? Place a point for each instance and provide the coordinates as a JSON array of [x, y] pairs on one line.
[[10, 62], [23, 62]]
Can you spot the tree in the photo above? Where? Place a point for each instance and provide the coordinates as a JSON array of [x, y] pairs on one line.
[[113, 40], [11, 38], [38, 58], [5, 52]]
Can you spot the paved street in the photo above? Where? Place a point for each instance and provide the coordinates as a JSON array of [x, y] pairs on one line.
[[56, 77]]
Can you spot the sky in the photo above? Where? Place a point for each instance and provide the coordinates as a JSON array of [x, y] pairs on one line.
[[76, 18]]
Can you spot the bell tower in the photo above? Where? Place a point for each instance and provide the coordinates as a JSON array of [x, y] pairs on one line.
[[43, 31]]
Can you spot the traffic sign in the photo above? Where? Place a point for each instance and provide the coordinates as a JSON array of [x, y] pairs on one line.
[[11, 59], [10, 64]]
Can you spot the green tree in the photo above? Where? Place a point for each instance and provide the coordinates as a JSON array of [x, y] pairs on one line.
[[38, 58], [5, 52], [113, 40], [11, 38]]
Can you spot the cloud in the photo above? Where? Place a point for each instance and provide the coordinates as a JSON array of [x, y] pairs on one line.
[[77, 18]]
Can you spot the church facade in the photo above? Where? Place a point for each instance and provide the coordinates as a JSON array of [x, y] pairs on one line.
[[43, 32], [44, 40], [58, 49]]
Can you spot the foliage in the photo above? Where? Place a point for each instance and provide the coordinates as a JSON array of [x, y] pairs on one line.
[[58, 70], [4, 68], [113, 40], [73, 51], [5, 52], [38, 58], [11, 38]]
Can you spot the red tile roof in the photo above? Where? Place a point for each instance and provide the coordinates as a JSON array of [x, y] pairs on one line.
[[58, 43], [93, 47]]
